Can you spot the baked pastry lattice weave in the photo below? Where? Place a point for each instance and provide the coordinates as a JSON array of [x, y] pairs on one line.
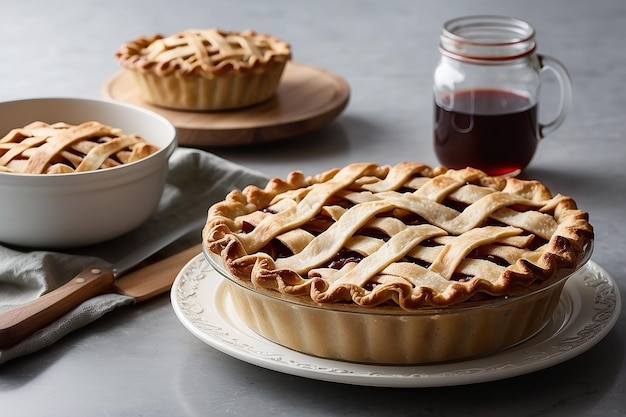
[[206, 69], [60, 148], [406, 235]]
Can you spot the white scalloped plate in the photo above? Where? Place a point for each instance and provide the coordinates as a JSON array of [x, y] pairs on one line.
[[587, 311]]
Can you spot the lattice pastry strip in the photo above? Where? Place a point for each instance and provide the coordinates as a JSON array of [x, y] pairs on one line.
[[327, 244], [299, 214], [392, 250], [408, 235]]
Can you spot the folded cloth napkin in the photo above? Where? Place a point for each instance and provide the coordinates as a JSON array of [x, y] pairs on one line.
[[195, 178]]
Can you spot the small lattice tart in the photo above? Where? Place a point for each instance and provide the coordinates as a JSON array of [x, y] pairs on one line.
[[61, 148], [402, 264], [206, 69]]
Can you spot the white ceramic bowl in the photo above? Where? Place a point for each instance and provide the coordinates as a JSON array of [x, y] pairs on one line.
[[78, 209]]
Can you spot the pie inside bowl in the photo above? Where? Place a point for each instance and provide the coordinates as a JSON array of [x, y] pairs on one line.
[[68, 207]]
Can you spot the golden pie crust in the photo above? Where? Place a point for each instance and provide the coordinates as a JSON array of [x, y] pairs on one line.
[[206, 69], [408, 236], [61, 148], [401, 264]]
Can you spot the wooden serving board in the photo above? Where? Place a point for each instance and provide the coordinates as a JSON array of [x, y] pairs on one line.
[[307, 98]]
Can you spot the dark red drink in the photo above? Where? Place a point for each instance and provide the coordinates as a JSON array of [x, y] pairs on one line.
[[492, 130]]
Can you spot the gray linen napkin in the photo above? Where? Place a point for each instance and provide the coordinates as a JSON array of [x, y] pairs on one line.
[[195, 178]]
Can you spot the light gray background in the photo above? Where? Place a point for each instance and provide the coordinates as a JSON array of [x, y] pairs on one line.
[[141, 361]]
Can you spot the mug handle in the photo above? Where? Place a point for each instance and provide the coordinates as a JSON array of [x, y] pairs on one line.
[[547, 63]]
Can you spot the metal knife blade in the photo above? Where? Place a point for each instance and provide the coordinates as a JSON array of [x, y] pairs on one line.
[[156, 233]]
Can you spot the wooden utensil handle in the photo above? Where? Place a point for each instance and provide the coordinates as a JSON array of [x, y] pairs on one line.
[[22, 321]]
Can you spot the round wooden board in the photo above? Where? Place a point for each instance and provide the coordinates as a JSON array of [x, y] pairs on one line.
[[307, 98]]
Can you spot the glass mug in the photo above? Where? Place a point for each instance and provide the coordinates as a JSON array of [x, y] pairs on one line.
[[486, 93]]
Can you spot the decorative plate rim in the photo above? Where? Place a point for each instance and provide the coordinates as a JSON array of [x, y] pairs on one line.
[[589, 308]]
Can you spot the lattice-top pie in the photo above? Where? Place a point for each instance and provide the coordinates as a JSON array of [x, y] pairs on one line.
[[206, 69], [406, 235], [59, 148]]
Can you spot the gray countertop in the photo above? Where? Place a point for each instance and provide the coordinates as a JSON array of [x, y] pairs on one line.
[[141, 361]]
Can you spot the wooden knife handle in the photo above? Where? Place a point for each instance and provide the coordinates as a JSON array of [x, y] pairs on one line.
[[22, 321]]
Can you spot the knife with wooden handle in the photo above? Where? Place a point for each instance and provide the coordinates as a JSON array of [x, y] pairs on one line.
[[141, 284]]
